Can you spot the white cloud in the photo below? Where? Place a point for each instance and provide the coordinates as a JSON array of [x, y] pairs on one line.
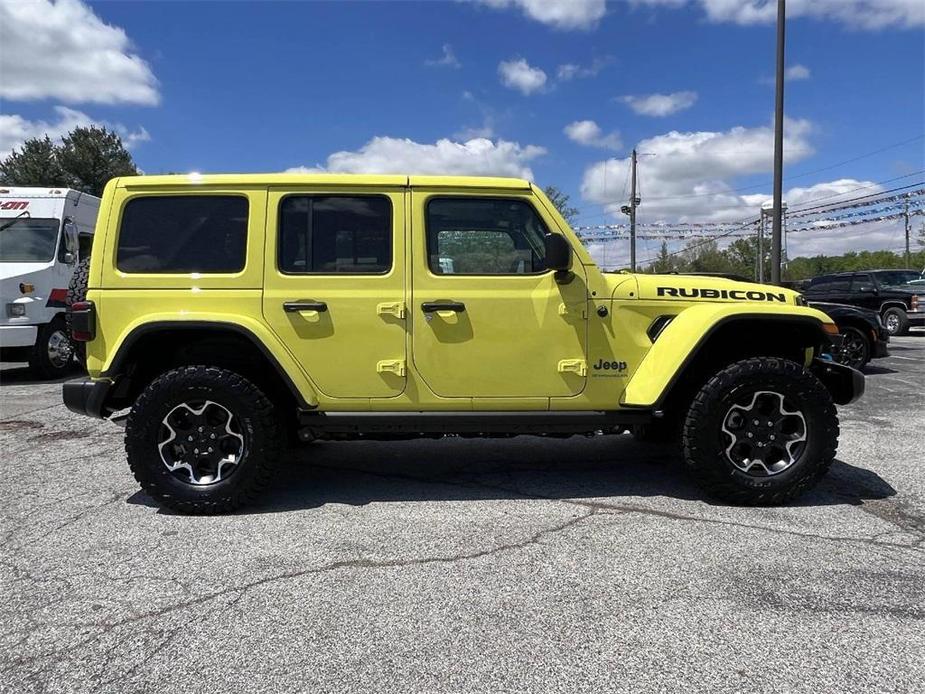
[[448, 59], [518, 74], [688, 179], [797, 72], [14, 129], [572, 71], [475, 157], [857, 14], [589, 134], [660, 104], [559, 14], [64, 51]]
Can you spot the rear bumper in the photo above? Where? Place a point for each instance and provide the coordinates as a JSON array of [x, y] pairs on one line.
[[87, 397], [844, 383]]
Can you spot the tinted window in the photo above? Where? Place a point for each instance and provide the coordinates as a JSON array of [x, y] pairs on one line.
[[830, 284], [183, 233], [862, 283], [335, 234], [895, 278], [484, 236]]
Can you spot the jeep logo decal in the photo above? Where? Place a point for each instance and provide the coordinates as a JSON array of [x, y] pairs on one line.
[[736, 294], [610, 365]]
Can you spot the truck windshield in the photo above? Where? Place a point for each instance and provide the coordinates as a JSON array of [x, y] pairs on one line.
[[28, 240], [895, 278]]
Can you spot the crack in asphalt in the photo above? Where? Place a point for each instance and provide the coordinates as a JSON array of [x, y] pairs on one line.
[[239, 591], [629, 508]]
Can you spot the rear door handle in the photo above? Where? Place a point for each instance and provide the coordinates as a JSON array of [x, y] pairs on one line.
[[434, 306], [306, 305]]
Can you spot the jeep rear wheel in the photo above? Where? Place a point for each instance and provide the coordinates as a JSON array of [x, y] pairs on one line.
[[760, 432], [202, 440]]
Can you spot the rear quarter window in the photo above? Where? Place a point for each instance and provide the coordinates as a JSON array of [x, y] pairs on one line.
[[179, 234]]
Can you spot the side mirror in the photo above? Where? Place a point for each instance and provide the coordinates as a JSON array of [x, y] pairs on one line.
[[558, 253], [71, 241]]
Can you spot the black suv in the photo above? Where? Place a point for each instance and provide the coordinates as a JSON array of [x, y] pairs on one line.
[[864, 337], [887, 292]]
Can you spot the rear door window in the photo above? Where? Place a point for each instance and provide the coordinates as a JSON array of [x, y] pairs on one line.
[[179, 234], [335, 234], [862, 283]]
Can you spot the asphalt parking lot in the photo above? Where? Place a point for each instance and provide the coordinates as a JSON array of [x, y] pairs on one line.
[[523, 565]]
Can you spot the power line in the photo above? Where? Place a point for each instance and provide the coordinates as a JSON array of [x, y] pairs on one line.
[[786, 178]]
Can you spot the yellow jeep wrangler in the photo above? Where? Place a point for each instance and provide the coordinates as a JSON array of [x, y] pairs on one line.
[[233, 314]]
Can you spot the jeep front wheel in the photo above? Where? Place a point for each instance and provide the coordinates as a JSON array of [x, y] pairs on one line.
[[760, 432], [200, 439]]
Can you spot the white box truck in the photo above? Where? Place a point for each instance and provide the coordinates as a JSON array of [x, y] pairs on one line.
[[44, 232]]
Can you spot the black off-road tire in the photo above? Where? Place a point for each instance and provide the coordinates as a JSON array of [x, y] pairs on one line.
[[255, 416], [705, 443], [899, 326], [41, 361], [77, 291]]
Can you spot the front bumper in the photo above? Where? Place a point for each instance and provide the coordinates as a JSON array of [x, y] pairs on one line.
[[18, 335], [844, 383], [87, 397]]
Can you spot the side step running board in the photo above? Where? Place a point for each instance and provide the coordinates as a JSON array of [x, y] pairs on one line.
[[365, 423]]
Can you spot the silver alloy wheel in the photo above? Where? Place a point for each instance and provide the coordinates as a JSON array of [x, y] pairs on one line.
[[59, 349], [764, 437], [200, 441], [892, 323]]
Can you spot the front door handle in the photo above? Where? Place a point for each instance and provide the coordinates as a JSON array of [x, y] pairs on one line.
[[434, 306], [305, 305]]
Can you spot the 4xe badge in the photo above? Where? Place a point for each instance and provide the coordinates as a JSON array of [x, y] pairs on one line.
[[618, 369]]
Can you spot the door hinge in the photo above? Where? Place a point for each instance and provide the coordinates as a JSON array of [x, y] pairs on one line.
[[395, 366], [575, 366], [564, 310], [394, 308]]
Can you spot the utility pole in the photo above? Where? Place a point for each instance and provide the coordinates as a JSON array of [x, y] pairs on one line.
[[908, 229], [778, 146], [633, 203], [759, 258]]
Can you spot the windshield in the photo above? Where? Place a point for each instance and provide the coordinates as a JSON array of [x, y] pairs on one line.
[[28, 240], [897, 277]]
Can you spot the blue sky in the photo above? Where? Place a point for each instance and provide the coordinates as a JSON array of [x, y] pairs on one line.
[[247, 86]]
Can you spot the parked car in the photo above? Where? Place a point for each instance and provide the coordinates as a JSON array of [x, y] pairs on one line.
[[864, 337], [228, 312], [887, 292]]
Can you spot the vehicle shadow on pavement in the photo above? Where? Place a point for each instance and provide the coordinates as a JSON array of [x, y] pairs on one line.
[[23, 376], [875, 370], [602, 468]]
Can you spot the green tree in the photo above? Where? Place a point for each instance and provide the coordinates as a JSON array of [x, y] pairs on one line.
[[561, 201], [92, 155], [85, 160], [35, 164], [664, 261]]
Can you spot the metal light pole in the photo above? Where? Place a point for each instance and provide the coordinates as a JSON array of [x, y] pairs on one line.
[[778, 147], [908, 229], [633, 218]]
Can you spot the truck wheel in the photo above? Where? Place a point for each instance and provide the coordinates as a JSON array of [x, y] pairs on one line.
[[855, 349], [896, 321], [202, 440], [52, 355], [77, 291], [760, 432]]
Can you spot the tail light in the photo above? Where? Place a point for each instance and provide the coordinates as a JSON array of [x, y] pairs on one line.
[[83, 321]]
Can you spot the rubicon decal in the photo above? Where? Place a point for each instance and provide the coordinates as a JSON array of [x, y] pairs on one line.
[[735, 294]]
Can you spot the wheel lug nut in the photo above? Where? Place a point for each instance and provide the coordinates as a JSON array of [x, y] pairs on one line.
[[755, 422], [200, 428], [751, 435], [772, 437], [189, 438], [211, 436], [195, 450]]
